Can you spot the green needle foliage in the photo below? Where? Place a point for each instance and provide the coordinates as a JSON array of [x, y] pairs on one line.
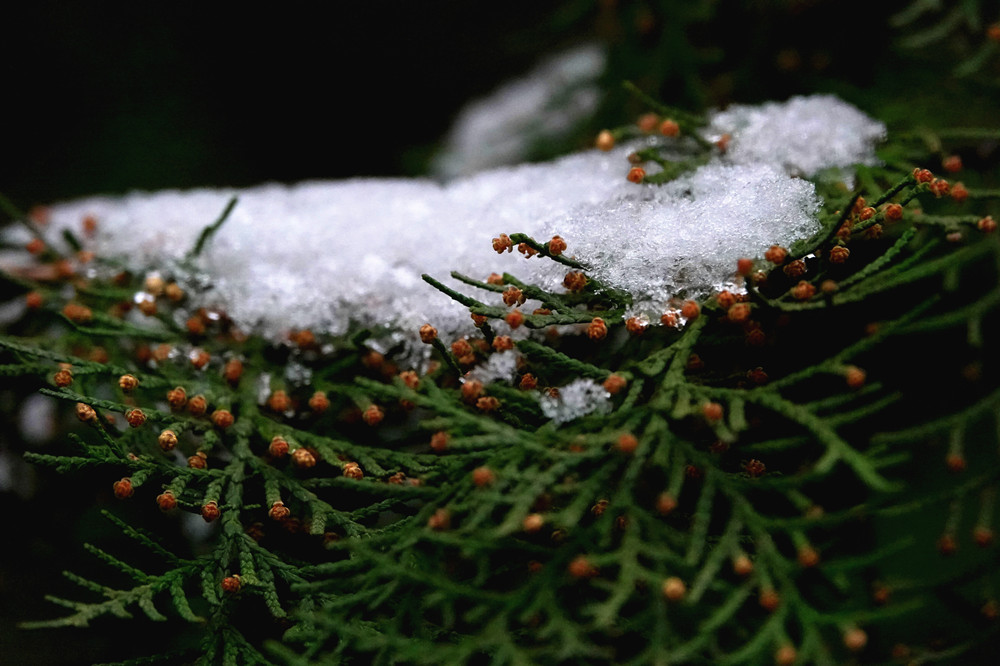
[[750, 497]]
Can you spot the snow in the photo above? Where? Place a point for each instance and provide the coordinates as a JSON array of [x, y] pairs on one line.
[[544, 105], [578, 398], [333, 256], [803, 135]]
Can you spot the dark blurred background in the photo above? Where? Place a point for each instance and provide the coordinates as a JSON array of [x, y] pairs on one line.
[[109, 97]]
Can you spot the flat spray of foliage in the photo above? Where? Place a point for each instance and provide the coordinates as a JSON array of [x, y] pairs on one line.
[[748, 498]]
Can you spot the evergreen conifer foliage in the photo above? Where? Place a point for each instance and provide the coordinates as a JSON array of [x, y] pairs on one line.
[[735, 483]]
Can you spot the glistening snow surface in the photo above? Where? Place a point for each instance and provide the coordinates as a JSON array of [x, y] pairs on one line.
[[325, 255]]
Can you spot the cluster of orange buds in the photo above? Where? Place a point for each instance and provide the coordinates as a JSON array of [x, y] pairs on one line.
[[526, 250], [352, 470]]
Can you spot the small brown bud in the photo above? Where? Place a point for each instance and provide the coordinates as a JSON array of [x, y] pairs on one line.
[[533, 522], [128, 383], [210, 511], [198, 461], [769, 599], [556, 246], [278, 448], [303, 458], [373, 415], [352, 470], [428, 334], [627, 443], [231, 584], [855, 639], [742, 565], [487, 403], [665, 504], [439, 520], [167, 440], [166, 501], [279, 511], [222, 418], [123, 488], [279, 402], [674, 589], [198, 405], [483, 476], [177, 398], [597, 329], [319, 403], [581, 567], [233, 370], [439, 441], [135, 417], [503, 342], [63, 378]]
